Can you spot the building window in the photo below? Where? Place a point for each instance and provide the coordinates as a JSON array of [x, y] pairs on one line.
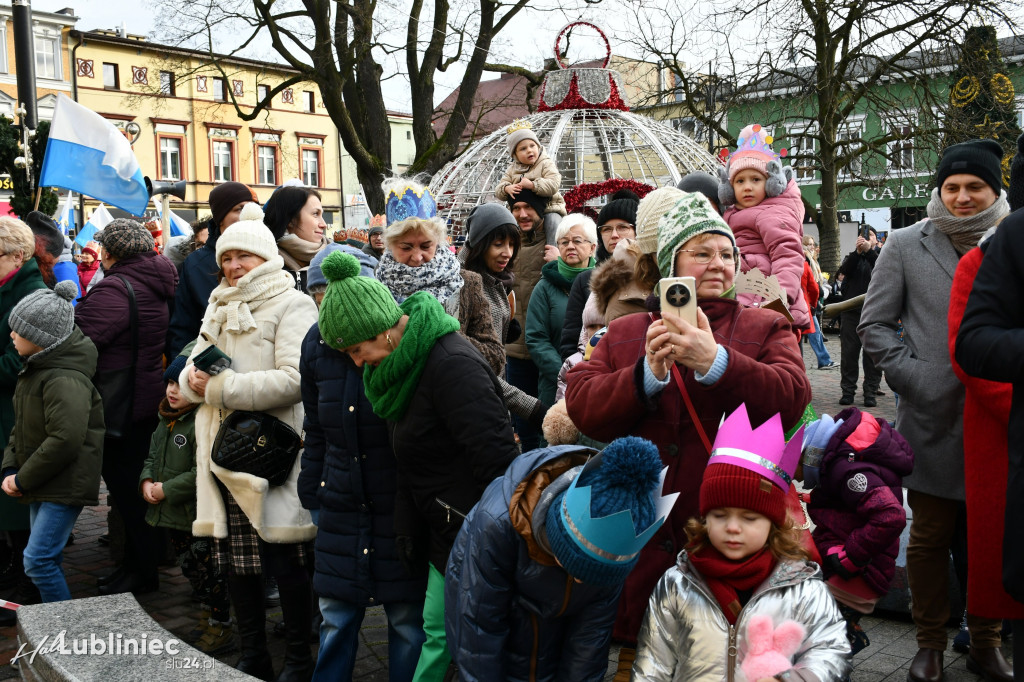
[[848, 138], [266, 164], [901, 151], [47, 57], [408, 134], [220, 90], [110, 79], [223, 164], [801, 153], [307, 99], [311, 167], [263, 93], [170, 158], [167, 83], [691, 127]]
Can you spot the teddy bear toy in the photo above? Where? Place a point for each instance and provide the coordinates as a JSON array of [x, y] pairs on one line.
[[769, 652]]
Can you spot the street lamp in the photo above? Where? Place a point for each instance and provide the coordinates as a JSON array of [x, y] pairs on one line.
[[132, 130]]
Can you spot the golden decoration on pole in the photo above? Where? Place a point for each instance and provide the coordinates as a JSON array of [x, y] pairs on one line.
[[1002, 89], [964, 92]]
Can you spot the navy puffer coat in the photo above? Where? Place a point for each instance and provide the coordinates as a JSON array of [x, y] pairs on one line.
[[349, 474], [511, 618]]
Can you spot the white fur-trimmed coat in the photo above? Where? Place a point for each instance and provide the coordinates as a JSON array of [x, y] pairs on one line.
[[264, 377]]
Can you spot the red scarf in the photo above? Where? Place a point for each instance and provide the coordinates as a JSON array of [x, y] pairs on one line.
[[725, 576]]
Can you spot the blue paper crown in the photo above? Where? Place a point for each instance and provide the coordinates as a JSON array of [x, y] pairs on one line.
[[611, 539], [409, 204]]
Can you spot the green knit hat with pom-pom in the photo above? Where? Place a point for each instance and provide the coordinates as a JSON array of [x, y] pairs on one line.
[[354, 308]]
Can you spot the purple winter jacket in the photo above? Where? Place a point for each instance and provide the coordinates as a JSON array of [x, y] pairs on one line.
[[103, 315], [858, 503]]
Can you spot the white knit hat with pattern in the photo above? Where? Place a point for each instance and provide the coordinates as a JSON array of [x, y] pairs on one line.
[[249, 234], [650, 210]]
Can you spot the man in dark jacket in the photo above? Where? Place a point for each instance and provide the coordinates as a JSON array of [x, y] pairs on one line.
[[348, 482], [512, 610], [855, 274], [198, 276]]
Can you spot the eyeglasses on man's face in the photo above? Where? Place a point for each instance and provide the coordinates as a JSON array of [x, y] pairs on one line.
[[705, 256], [575, 241]]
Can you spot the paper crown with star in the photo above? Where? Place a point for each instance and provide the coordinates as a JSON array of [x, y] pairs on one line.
[[753, 150], [751, 468], [409, 202]]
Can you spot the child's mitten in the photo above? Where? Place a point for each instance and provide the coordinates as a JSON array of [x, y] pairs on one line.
[[770, 652], [842, 565]]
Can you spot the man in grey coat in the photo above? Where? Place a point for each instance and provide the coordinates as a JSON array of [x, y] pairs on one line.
[[911, 283]]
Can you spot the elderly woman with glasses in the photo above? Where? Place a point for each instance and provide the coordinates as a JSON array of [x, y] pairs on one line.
[[671, 383], [576, 240]]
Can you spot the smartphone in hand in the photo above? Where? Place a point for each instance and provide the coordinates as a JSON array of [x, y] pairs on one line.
[[679, 297]]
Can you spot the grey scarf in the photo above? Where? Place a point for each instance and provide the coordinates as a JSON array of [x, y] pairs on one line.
[[440, 276], [964, 233]]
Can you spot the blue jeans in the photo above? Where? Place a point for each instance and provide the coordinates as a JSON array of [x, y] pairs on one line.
[[818, 345], [339, 639], [51, 524], [523, 375]]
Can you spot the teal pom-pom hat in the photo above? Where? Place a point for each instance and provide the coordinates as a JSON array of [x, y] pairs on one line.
[[354, 308]]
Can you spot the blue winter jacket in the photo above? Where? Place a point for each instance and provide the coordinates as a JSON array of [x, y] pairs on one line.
[[197, 278], [511, 618], [349, 474]]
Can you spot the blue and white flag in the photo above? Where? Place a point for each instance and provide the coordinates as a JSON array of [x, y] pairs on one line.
[[87, 154], [99, 219], [179, 226], [66, 218]]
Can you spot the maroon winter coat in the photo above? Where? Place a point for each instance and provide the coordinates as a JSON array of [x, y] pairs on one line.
[[103, 315], [605, 400], [858, 503]]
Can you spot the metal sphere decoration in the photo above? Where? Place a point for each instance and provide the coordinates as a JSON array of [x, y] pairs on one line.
[[585, 125]]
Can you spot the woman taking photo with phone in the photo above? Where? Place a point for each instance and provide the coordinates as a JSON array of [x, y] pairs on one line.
[[673, 387], [257, 318]]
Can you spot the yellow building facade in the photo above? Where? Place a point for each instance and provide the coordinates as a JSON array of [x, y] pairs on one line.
[[189, 127]]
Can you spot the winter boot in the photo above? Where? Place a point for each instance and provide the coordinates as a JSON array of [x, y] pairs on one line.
[[625, 669], [247, 598], [12, 564], [197, 632], [297, 610], [855, 634]]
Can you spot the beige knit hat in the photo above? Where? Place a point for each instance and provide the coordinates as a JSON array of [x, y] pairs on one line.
[[249, 234], [651, 209]]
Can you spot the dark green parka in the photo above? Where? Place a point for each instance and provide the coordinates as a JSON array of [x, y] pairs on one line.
[[57, 442], [172, 461]]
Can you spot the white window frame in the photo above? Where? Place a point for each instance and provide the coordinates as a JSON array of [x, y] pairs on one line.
[[41, 39], [166, 156], [167, 86], [902, 148], [3, 46], [854, 124], [263, 177], [797, 134], [311, 180], [215, 153]]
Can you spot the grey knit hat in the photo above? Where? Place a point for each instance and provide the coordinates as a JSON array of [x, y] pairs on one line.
[[486, 218], [44, 317], [123, 237]]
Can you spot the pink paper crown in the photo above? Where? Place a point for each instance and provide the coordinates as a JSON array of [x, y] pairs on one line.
[[753, 141], [763, 450]]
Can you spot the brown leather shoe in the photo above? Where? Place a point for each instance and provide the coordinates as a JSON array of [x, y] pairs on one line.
[[926, 666], [990, 664]]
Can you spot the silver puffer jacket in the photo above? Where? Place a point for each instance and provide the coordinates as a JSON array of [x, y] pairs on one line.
[[686, 637]]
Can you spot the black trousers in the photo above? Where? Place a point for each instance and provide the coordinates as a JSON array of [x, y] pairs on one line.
[[123, 459], [849, 365]]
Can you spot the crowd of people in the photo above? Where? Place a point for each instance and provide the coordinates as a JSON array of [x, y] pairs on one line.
[[511, 446]]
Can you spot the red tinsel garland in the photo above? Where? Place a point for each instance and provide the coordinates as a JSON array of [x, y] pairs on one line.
[[577, 198], [574, 100]]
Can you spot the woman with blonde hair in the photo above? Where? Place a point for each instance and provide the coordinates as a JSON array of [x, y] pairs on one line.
[[19, 276], [416, 258]]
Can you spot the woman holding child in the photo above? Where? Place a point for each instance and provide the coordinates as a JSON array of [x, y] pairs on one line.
[[673, 388], [258, 319]]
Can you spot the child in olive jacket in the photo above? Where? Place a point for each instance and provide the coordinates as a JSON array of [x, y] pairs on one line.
[[53, 458], [168, 483]]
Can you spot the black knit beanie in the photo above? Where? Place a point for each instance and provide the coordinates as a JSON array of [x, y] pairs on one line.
[[1016, 192], [621, 206], [980, 158], [225, 197], [536, 201], [705, 183]]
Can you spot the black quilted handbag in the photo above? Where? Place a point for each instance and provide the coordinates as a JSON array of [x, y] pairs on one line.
[[256, 443]]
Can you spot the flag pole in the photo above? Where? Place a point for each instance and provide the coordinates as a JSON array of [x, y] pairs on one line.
[[39, 194]]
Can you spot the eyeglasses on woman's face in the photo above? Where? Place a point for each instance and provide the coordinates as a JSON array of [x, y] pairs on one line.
[[575, 241], [622, 228], [703, 256]]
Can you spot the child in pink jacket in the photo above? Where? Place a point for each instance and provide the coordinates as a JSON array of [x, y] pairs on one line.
[[766, 215]]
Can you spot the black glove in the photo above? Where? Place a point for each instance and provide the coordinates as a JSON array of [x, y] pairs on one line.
[[841, 564], [515, 330], [536, 418], [411, 560]]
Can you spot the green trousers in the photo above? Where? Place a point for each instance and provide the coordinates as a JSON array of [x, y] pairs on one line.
[[434, 657]]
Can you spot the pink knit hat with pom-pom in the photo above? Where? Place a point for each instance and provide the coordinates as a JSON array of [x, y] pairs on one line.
[[753, 151]]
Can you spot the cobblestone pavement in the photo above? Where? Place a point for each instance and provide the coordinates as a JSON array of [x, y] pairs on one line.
[[892, 636]]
